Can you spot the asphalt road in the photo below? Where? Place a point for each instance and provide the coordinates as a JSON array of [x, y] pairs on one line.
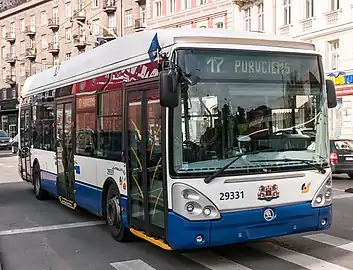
[[36, 235]]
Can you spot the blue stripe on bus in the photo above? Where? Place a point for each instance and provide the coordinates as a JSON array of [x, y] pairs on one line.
[[236, 227], [48, 182], [89, 197]]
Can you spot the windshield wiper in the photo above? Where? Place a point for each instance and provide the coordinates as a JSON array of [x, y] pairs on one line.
[[317, 167], [208, 179]]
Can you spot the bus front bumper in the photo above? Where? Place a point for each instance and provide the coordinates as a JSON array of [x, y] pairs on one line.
[[243, 226]]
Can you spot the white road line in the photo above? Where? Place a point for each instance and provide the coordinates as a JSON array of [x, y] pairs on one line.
[[342, 196], [7, 166], [327, 239], [214, 261], [338, 189], [295, 257], [132, 265], [51, 228], [331, 241]]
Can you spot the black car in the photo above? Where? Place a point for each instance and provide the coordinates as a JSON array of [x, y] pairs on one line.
[[341, 156], [5, 142]]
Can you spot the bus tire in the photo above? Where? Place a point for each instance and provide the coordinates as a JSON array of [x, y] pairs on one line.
[[114, 216], [37, 188]]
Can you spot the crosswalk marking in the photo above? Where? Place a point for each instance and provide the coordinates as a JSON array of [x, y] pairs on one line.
[[214, 261], [331, 241], [132, 265], [294, 257]]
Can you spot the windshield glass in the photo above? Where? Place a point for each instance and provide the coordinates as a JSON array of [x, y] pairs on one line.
[[249, 101], [3, 133]]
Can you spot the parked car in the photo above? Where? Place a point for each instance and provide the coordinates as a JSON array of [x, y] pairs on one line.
[[341, 156], [5, 142], [14, 144]]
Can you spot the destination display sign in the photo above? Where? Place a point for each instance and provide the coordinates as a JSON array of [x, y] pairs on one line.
[[251, 65]]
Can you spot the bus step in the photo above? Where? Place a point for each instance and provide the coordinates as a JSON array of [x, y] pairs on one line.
[[155, 241], [67, 202]]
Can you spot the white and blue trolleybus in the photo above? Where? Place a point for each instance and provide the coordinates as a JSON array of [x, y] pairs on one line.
[[188, 138]]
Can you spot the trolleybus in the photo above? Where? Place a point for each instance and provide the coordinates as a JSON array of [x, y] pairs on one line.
[[188, 138]]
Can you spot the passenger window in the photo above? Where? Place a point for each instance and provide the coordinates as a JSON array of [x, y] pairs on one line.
[[110, 125]]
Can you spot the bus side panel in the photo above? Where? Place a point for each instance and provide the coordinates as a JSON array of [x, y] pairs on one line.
[[88, 193], [46, 161]]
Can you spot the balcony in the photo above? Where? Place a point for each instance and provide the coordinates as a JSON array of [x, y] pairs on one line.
[[10, 79], [109, 6], [285, 30], [241, 3], [139, 25], [10, 37], [80, 41], [333, 16], [30, 31], [31, 53], [79, 15], [108, 35], [53, 23], [53, 48], [11, 58]]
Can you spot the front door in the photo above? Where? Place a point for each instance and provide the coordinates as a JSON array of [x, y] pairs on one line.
[[143, 118], [25, 144], [64, 152]]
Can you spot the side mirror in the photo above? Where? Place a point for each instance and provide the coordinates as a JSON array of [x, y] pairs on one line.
[[331, 94], [169, 91]]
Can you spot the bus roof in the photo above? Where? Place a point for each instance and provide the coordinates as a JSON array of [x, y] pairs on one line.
[[129, 50]]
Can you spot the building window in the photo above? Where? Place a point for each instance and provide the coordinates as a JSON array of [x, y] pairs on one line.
[[4, 73], [44, 64], [22, 25], [67, 56], [43, 18], [128, 17], [13, 93], [187, 4], [31, 43], [33, 23], [56, 61], [4, 96], [95, 3], [95, 28], [12, 27], [219, 25], [334, 55], [334, 4], [172, 6], [3, 31], [309, 9], [3, 52], [22, 69], [260, 17], [247, 19], [202, 2], [158, 8], [143, 14], [44, 42], [56, 38], [33, 69], [22, 46], [68, 36], [111, 21], [287, 12], [68, 10], [55, 12]]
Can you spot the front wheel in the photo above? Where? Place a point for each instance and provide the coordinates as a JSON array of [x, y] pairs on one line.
[[38, 191], [113, 215]]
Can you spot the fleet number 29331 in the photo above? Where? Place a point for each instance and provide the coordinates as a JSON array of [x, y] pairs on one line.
[[231, 195]]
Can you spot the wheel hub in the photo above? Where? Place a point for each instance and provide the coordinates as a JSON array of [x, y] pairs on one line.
[[113, 212]]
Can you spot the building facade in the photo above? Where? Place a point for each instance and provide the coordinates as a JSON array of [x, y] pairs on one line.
[[189, 13], [328, 24], [39, 34]]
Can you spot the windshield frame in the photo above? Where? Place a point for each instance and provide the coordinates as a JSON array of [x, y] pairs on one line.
[[238, 172]]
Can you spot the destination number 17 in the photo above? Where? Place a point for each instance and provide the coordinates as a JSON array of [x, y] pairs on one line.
[[231, 195]]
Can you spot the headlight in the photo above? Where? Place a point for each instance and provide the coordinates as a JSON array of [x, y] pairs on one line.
[[324, 195], [192, 204]]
